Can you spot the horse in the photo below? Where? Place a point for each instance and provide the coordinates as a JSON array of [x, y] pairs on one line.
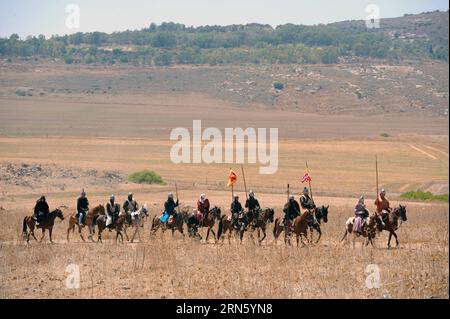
[[210, 221], [368, 230], [90, 219], [137, 220], [175, 223], [299, 226], [121, 223], [320, 213], [29, 222], [264, 218], [225, 225], [392, 224]]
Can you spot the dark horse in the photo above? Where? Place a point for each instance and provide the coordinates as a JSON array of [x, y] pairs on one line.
[[321, 214], [210, 220], [28, 222], [174, 223], [225, 225], [264, 218], [392, 222]]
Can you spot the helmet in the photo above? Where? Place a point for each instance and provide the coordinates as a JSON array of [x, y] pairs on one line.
[[291, 197], [251, 194], [170, 195], [112, 197], [83, 193], [305, 190], [361, 199], [383, 191]]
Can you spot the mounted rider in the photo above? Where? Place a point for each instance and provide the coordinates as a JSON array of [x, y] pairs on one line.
[[382, 207], [130, 206], [361, 216], [253, 207], [291, 210], [236, 212], [112, 212], [41, 210], [307, 204], [203, 206], [169, 207], [82, 208]]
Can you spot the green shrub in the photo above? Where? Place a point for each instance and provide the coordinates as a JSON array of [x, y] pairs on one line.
[[69, 60], [385, 135], [424, 196], [146, 177]]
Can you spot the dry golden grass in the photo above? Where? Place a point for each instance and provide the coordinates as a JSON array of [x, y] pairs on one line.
[[165, 267]]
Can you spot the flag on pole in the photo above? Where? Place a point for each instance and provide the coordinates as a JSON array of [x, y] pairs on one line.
[[306, 177], [232, 177]]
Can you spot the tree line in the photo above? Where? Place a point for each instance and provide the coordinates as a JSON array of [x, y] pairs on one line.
[[174, 43]]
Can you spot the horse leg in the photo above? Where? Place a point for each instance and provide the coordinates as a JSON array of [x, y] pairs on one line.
[[207, 234], [320, 233], [43, 234], [50, 234], [99, 236], [263, 237], [389, 240], [214, 234], [81, 234], [126, 234], [396, 238], [344, 237]]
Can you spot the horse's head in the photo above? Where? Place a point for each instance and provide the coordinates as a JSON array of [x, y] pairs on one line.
[[270, 214], [402, 211], [58, 213], [144, 210], [99, 210], [322, 214], [216, 212]]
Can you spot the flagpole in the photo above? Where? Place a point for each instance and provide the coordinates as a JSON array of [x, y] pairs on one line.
[[376, 170], [245, 184], [309, 182]]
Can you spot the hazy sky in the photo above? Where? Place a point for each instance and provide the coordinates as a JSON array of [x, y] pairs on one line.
[[33, 17]]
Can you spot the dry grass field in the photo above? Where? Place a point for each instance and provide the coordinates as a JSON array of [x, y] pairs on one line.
[[60, 142]]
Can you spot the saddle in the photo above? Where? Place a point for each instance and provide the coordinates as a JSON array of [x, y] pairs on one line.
[[171, 220]]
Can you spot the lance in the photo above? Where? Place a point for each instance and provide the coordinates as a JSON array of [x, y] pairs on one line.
[[245, 184], [309, 182], [176, 192]]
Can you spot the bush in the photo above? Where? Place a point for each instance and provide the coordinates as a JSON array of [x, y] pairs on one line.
[[424, 196], [146, 177], [278, 85], [69, 60], [385, 135]]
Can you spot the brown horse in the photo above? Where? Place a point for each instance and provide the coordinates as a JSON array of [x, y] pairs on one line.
[[210, 221], [174, 223], [392, 222], [299, 226], [225, 225], [264, 218], [89, 221], [368, 230], [28, 222]]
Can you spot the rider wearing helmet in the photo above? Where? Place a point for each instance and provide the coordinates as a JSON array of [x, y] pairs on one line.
[[112, 211], [291, 210], [253, 207]]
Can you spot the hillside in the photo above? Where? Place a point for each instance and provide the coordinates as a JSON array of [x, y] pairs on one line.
[[423, 36]]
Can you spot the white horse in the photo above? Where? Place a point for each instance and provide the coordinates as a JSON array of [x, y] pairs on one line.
[[137, 221]]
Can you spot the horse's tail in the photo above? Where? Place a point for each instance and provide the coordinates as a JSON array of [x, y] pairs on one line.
[[24, 227], [220, 228]]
